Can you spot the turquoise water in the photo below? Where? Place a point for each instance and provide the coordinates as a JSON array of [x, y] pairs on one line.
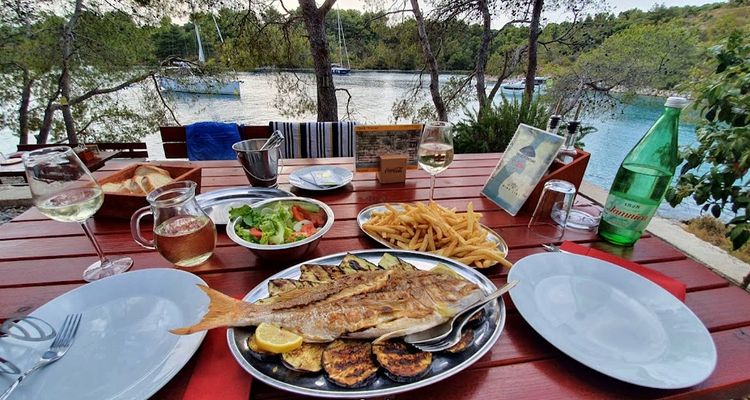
[[619, 132], [373, 94]]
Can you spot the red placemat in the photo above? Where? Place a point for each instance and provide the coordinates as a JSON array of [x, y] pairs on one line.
[[671, 285], [216, 374]]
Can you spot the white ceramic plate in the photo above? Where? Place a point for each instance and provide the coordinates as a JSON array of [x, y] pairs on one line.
[[613, 320], [123, 349], [302, 178]]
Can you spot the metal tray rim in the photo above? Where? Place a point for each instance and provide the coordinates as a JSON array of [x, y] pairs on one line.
[[466, 271], [365, 213]]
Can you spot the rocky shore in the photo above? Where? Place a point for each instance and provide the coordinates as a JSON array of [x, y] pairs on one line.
[[7, 213]]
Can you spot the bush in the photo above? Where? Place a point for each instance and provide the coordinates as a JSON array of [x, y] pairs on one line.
[[491, 130], [716, 170]]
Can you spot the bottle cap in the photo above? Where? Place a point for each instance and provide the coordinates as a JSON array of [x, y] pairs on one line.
[[676, 102]]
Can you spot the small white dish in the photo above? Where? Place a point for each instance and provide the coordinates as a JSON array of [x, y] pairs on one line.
[[613, 320], [320, 178], [123, 349], [10, 161]]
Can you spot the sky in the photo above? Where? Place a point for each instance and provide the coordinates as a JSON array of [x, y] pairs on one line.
[[614, 6]]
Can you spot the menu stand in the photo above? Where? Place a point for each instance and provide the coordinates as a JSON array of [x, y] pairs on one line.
[[571, 172]]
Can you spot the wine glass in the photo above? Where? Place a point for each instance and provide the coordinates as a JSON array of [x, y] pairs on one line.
[[63, 189], [435, 149]]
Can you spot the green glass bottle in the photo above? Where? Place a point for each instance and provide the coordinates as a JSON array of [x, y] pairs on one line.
[[643, 179]]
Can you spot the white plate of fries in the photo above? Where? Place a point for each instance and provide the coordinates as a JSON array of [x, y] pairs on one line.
[[435, 229]]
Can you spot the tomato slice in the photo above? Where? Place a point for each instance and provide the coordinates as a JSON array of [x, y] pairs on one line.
[[308, 229], [297, 213], [255, 232]]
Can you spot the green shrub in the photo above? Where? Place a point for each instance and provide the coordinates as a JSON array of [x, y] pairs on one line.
[[491, 130]]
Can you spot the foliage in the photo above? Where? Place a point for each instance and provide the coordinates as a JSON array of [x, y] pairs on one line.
[[491, 130], [715, 173], [713, 231]]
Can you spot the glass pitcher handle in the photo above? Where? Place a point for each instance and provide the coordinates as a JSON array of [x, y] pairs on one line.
[[135, 228]]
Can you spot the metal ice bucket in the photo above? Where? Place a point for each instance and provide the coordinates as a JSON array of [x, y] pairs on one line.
[[262, 167]]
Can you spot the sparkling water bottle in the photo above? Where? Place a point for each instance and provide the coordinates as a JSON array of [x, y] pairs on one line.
[[642, 179]]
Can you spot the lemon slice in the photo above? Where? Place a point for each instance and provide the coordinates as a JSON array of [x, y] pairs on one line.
[[273, 339]]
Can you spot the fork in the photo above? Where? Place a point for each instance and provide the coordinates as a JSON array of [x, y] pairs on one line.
[[453, 336], [57, 349]]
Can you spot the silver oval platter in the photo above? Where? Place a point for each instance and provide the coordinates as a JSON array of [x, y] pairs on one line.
[[366, 214], [216, 203], [443, 365]]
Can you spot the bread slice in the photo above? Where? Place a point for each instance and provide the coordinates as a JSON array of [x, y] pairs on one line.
[[145, 170], [151, 181], [113, 187]]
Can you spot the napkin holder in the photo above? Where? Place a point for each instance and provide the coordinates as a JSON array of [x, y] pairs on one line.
[[572, 172], [391, 168]]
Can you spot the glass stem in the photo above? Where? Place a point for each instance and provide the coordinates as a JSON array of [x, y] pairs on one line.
[[91, 237], [432, 186]]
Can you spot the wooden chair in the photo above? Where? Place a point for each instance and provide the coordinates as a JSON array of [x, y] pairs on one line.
[[175, 146]]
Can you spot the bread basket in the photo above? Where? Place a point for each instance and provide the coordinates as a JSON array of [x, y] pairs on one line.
[[121, 205]]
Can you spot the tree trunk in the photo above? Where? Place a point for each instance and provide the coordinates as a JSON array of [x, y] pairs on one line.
[[314, 18], [437, 100], [482, 55], [67, 48], [528, 91], [23, 110], [46, 127]]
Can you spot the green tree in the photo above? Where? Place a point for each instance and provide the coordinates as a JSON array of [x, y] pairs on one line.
[[715, 173]]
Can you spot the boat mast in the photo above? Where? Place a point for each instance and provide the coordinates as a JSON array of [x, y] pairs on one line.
[[339, 34], [221, 39], [201, 56]]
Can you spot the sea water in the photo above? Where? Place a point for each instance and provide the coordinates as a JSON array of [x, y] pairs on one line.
[[373, 95]]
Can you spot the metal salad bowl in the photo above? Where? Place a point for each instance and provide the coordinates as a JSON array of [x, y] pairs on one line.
[[288, 251]]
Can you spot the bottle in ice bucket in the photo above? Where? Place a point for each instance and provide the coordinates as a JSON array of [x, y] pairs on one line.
[[642, 179]]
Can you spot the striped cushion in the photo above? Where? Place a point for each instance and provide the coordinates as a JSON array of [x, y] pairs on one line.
[[316, 139]]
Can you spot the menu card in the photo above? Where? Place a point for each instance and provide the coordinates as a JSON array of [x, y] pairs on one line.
[[525, 161], [376, 140]]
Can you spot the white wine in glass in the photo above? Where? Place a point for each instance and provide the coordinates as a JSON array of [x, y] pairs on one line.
[[435, 150], [64, 190]]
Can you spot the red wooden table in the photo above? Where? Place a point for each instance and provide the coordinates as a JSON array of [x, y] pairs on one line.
[[41, 259]]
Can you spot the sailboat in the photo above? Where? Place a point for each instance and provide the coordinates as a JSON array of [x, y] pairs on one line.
[[183, 78], [340, 69]]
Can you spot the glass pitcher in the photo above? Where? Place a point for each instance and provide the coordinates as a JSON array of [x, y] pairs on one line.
[[183, 233]]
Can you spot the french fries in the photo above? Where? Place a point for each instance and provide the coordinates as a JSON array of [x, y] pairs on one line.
[[436, 229]]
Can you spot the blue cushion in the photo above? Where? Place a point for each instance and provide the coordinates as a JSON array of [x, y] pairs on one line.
[[211, 140]]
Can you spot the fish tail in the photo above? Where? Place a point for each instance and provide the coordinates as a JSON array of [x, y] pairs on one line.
[[222, 311]]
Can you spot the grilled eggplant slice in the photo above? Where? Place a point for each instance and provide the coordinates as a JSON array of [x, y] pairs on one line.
[[306, 358], [352, 264], [401, 362], [257, 352], [467, 338], [279, 286], [348, 363], [320, 273], [389, 261]]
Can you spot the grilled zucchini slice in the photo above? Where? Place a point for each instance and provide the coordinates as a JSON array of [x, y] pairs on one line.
[[353, 264], [279, 286], [306, 358], [320, 273], [348, 363], [389, 261], [441, 268], [467, 338], [402, 363]]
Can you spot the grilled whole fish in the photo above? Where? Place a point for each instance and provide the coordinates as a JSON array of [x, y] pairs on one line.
[[377, 304]]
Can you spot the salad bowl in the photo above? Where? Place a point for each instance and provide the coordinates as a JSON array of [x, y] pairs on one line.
[[288, 250]]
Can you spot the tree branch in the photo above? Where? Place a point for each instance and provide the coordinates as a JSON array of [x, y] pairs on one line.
[[95, 92], [164, 102], [326, 7]]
